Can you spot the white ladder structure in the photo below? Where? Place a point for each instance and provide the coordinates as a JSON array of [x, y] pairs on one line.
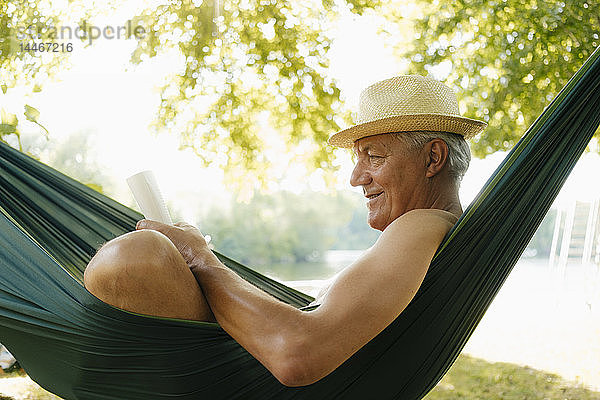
[[577, 239]]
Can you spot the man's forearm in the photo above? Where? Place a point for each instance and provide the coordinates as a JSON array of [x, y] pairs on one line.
[[269, 329]]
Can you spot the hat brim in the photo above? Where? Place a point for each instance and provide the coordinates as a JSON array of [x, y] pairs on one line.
[[466, 127]]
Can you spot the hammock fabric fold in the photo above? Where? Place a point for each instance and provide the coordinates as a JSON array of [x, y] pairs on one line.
[[80, 348]]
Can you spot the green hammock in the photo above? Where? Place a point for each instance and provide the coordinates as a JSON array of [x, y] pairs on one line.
[[80, 348]]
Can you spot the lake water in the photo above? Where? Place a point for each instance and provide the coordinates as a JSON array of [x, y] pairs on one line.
[[333, 262], [309, 277]]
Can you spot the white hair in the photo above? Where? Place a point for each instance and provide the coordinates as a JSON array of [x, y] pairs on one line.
[[459, 154]]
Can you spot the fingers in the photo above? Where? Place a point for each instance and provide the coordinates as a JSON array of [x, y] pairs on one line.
[[171, 231], [159, 226], [147, 224], [185, 226]]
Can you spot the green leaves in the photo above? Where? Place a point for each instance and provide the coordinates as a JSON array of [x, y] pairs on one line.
[[22, 24], [32, 114], [7, 129], [508, 61], [8, 118], [251, 70], [8, 123], [10, 129]]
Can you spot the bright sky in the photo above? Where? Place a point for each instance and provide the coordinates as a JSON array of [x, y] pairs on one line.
[[117, 101]]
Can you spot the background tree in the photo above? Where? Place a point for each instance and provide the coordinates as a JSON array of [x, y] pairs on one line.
[[18, 22], [72, 155], [508, 58], [288, 227], [22, 23], [247, 68]]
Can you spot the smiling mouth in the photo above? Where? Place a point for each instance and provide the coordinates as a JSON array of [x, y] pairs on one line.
[[373, 196]]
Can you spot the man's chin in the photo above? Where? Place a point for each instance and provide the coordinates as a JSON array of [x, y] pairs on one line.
[[375, 224]]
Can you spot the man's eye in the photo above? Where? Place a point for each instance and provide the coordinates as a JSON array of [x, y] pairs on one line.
[[371, 156]]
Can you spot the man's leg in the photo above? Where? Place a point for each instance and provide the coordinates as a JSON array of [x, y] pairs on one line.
[[143, 272]]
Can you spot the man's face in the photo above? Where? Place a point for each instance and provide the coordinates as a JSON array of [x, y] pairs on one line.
[[392, 179]]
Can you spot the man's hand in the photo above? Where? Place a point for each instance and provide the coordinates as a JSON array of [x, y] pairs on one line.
[[188, 239]]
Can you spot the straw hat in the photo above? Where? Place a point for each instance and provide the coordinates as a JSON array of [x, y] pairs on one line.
[[407, 103]]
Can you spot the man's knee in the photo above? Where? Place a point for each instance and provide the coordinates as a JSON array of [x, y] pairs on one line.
[[124, 265], [142, 271]]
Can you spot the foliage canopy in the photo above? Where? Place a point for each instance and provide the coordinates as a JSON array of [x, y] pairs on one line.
[[23, 23], [246, 68], [253, 73], [508, 58]]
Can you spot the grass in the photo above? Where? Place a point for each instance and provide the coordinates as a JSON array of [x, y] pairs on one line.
[[475, 379], [468, 379], [27, 390]]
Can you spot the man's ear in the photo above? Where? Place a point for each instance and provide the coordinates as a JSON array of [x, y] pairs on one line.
[[437, 155]]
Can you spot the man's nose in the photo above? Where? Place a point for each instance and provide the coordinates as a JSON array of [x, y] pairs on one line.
[[359, 176]]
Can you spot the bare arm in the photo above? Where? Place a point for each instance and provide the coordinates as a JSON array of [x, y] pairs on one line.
[[298, 347]]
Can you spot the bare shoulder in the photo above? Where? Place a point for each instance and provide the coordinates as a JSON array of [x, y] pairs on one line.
[[370, 293], [416, 224]]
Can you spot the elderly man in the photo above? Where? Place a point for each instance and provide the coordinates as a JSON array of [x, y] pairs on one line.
[[410, 157]]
